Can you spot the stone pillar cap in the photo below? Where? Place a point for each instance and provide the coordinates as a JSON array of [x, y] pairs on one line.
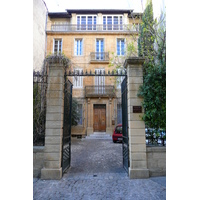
[[134, 60]]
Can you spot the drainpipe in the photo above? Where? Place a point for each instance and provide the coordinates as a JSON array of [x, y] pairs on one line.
[[46, 34]]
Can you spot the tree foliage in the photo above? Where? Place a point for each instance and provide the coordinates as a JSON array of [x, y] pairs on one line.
[[75, 113], [152, 46], [146, 38], [153, 92]]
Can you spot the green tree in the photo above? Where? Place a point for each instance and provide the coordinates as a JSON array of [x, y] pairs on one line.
[[152, 46], [146, 37], [75, 113], [153, 92]]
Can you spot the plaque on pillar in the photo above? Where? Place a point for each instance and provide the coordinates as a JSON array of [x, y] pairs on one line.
[[137, 109]]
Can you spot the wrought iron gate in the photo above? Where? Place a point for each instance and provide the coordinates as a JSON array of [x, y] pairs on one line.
[[66, 142], [125, 142]]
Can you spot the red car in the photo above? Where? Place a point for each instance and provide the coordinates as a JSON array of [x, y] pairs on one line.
[[117, 134]]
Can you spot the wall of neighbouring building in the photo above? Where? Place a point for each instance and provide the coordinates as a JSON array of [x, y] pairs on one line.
[[39, 35]]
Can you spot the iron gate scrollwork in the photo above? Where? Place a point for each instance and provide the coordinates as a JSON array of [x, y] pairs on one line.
[[125, 142], [66, 142]]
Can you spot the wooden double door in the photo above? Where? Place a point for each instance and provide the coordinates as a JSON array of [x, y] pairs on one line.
[[99, 118]]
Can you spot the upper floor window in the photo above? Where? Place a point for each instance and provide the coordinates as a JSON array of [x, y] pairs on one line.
[[86, 22], [78, 80], [119, 78], [100, 49], [120, 47], [113, 22], [78, 47], [57, 48]]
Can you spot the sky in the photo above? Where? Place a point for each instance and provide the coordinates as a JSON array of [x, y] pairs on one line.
[[62, 5]]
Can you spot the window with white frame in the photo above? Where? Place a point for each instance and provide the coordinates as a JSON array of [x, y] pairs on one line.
[[120, 47], [119, 113], [57, 47], [99, 81], [78, 47], [119, 78], [86, 22], [80, 111], [78, 80], [99, 49], [114, 22]]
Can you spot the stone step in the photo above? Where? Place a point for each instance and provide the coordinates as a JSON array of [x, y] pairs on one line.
[[99, 136]]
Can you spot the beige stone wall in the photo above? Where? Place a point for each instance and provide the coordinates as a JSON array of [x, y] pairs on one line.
[[39, 36], [54, 123], [83, 62], [156, 161], [38, 161], [89, 43]]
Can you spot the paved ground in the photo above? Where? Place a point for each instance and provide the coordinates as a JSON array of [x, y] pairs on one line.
[[97, 173]]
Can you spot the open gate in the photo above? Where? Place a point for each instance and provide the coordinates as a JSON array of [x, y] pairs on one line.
[[125, 142], [66, 141]]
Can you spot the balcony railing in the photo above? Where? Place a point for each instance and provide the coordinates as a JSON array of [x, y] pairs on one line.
[[94, 27], [100, 91], [99, 57]]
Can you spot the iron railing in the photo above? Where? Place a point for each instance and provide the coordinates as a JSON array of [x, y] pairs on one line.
[[100, 91], [99, 56], [156, 138], [125, 140], [94, 27], [39, 108], [66, 142]]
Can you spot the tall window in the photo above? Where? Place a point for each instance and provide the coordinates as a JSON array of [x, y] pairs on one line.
[[85, 22], [119, 78], [99, 49], [57, 48], [80, 110], [119, 113], [113, 22], [78, 80], [78, 47], [99, 81], [120, 47]]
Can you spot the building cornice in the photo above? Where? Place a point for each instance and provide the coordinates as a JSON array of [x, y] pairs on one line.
[[68, 13], [134, 60], [59, 15]]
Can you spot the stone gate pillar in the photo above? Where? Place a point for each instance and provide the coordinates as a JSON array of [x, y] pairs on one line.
[[136, 131], [54, 123]]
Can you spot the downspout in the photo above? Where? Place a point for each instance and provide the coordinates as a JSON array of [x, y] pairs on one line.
[[46, 34]]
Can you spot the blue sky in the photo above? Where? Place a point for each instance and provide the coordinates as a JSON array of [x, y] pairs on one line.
[[61, 5]]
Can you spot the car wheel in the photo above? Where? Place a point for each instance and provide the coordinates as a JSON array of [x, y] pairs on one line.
[[114, 141]]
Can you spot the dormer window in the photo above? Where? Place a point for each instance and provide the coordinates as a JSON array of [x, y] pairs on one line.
[[113, 22], [86, 22]]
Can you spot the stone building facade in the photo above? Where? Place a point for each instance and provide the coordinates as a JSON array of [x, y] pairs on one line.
[[90, 38]]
